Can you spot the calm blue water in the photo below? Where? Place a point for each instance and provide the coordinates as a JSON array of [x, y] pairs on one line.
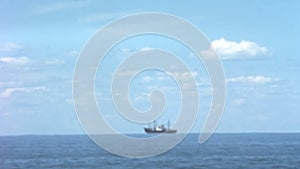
[[221, 151]]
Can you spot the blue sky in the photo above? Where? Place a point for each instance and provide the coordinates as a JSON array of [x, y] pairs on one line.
[[256, 40]]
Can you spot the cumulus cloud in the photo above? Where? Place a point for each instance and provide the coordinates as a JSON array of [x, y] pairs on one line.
[[14, 60], [9, 91], [232, 49], [9, 46], [259, 79]]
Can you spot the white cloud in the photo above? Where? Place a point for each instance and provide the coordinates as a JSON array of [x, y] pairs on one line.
[[9, 91], [73, 53], [14, 60], [183, 75], [239, 101], [58, 6], [145, 49], [69, 101], [126, 73], [54, 62], [259, 79], [9, 83], [9, 46], [125, 50], [162, 76], [147, 78], [100, 17], [231, 49]]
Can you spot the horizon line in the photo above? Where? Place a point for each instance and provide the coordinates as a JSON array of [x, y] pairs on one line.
[[82, 134]]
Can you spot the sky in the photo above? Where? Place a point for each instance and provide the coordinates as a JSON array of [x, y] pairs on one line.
[[257, 42]]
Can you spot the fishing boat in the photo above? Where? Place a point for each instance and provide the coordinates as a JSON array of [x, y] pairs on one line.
[[159, 129]]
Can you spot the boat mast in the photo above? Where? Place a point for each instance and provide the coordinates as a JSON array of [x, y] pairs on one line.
[[168, 124], [154, 124]]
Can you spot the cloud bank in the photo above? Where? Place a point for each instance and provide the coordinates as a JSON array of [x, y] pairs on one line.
[[14, 60], [9, 91], [9, 46], [259, 79]]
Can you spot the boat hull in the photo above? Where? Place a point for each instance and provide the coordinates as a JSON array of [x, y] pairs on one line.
[[151, 131]]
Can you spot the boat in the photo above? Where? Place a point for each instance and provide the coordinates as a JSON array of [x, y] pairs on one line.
[[159, 129]]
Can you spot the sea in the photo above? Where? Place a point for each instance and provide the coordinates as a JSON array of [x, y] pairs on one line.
[[240, 151]]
